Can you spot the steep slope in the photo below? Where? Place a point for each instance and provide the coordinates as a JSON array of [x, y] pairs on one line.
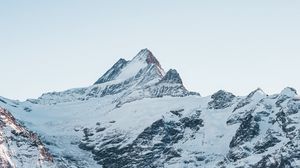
[[20, 147], [136, 115], [124, 70]]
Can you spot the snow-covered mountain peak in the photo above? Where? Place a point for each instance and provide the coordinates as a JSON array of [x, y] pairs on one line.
[[253, 98], [288, 91], [257, 94], [172, 76], [145, 55], [123, 70], [141, 77]]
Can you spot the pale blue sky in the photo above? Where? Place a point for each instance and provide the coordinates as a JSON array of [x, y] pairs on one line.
[[214, 44]]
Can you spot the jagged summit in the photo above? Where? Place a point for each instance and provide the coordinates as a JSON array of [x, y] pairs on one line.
[[172, 76], [123, 70], [147, 56]]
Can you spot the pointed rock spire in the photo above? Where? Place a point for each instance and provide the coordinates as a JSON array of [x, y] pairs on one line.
[[147, 56], [124, 70], [172, 76]]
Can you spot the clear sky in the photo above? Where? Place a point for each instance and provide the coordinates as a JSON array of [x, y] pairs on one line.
[[214, 44]]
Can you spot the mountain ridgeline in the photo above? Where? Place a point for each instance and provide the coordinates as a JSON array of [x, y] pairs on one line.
[[138, 115]]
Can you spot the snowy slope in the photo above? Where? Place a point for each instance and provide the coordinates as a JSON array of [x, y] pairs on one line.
[[136, 115]]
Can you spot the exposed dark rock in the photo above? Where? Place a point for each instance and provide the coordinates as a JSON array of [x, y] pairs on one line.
[[247, 130], [268, 141], [280, 100], [27, 109], [177, 112], [221, 100], [151, 148], [193, 123], [272, 162], [237, 153], [293, 107], [172, 76], [87, 132], [100, 129]]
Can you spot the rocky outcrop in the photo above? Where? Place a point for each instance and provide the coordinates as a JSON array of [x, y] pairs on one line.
[[221, 100], [172, 77], [29, 150]]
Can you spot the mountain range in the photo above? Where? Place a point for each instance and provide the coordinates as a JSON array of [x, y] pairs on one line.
[[137, 115]]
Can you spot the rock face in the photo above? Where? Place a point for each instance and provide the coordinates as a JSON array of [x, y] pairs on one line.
[[221, 100], [136, 115], [154, 146], [268, 128], [172, 76], [20, 147]]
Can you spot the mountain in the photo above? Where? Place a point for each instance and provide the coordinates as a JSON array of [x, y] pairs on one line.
[[141, 77], [138, 115]]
